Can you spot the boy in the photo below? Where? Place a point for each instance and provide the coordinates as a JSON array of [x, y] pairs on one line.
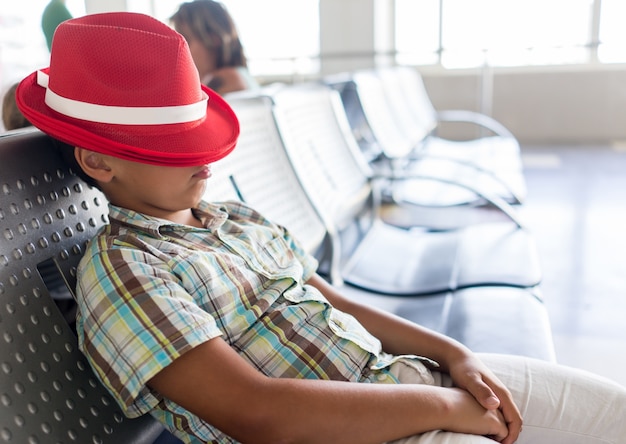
[[212, 319]]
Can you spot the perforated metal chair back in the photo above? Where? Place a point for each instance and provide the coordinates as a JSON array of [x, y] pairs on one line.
[[48, 393]]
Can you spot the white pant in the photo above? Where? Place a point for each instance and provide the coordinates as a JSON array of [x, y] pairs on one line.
[[559, 405]]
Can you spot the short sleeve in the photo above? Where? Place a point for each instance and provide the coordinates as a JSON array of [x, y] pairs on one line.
[[134, 320]]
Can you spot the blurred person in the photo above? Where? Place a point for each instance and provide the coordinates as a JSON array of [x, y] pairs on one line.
[[215, 46], [53, 14]]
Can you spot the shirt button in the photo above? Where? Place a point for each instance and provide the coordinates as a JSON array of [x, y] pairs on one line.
[[381, 376]]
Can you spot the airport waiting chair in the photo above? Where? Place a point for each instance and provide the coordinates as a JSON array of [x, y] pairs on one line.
[[396, 125], [260, 173], [494, 147], [48, 392], [375, 255]]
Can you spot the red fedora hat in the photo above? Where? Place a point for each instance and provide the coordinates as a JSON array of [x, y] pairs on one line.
[[125, 84]]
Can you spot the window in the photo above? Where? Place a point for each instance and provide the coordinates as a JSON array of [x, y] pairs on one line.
[[497, 32], [22, 43], [273, 43], [417, 31], [612, 44]]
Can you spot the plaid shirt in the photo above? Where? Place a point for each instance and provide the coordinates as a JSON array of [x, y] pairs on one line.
[[150, 290]]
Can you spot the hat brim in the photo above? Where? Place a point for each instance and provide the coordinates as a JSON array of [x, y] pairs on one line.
[[196, 143]]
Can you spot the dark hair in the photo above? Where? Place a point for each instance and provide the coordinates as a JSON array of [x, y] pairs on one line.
[[12, 117], [66, 152], [210, 23]]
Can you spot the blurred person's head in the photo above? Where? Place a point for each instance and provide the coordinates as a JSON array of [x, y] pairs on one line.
[[211, 34]]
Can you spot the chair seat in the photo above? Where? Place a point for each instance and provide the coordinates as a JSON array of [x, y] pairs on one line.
[[391, 260], [494, 319], [493, 153], [439, 217]]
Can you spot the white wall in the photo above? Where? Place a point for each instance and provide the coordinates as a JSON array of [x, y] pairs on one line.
[[558, 105]]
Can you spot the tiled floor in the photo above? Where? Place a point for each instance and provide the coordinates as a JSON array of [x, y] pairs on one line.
[[576, 208]]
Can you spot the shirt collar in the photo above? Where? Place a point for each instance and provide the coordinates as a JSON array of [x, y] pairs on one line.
[[212, 217]]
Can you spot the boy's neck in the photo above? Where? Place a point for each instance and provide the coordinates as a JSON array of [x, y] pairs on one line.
[[183, 217]]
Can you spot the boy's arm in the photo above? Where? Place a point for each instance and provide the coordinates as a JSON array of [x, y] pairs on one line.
[[400, 336], [218, 385]]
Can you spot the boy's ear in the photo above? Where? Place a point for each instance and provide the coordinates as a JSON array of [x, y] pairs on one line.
[[94, 164]]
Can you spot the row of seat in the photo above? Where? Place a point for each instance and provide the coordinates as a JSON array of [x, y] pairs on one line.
[[474, 277], [396, 124], [298, 161]]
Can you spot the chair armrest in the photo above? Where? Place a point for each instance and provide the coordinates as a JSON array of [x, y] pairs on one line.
[[476, 118], [493, 199], [468, 164]]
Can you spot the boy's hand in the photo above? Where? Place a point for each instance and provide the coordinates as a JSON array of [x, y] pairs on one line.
[[472, 375], [469, 416]]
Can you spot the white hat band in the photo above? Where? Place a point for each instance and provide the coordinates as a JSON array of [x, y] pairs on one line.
[[122, 115]]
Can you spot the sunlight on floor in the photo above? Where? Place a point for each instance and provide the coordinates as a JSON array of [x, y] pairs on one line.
[[576, 208]]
